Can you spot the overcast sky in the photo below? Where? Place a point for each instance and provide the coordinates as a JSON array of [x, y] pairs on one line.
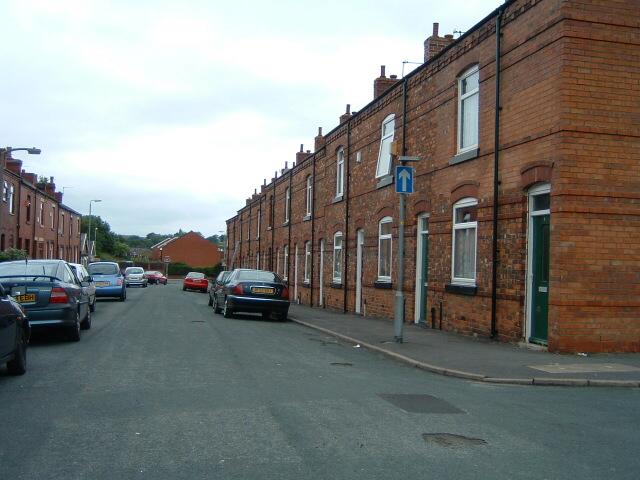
[[172, 112]]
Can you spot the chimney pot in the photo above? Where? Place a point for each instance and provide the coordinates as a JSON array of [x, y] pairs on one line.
[[382, 69], [301, 147], [435, 29], [308, 151], [449, 36], [286, 163], [348, 108], [393, 77], [319, 131]]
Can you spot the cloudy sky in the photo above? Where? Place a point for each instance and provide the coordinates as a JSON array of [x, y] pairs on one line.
[[172, 112]]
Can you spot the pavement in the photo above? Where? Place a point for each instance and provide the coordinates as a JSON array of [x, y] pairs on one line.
[[473, 358]]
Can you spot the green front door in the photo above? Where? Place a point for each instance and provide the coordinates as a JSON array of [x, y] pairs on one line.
[[540, 279]]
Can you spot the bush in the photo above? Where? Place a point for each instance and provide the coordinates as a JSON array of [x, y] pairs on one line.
[[12, 254], [182, 269]]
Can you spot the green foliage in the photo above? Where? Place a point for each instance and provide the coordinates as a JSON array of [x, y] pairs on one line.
[[218, 239], [182, 269], [12, 254]]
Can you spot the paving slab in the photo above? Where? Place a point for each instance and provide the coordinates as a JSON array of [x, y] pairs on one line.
[[474, 358]]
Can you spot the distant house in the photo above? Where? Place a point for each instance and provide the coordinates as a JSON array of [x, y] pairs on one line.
[[191, 248]]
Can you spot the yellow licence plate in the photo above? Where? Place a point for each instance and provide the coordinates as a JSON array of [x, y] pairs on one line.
[[26, 298], [268, 291], [102, 284]]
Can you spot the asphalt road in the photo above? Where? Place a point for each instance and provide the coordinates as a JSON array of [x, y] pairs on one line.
[[161, 388]]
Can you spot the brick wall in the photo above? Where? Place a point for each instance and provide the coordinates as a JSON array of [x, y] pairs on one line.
[[569, 90], [192, 249]]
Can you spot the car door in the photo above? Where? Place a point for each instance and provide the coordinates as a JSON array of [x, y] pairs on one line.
[[8, 325], [74, 290]]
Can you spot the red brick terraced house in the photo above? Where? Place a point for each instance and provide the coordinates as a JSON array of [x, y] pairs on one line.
[[191, 249], [525, 221], [33, 217]]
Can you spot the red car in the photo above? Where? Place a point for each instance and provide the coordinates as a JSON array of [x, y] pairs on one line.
[[153, 276], [196, 281]]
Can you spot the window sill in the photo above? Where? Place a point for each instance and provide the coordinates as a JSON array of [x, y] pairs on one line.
[[383, 284], [268, 229], [336, 285], [285, 223], [465, 156], [306, 285], [461, 289], [384, 181], [306, 218], [337, 199]]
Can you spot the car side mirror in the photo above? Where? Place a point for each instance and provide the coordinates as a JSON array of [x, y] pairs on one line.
[[88, 279]]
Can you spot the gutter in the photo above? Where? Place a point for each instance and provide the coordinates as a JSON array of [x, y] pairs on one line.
[[496, 181]]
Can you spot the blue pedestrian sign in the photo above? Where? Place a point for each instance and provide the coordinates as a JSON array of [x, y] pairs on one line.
[[404, 179]]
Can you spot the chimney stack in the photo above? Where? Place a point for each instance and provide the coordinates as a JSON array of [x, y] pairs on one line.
[[319, 140], [346, 115], [435, 44], [300, 156], [382, 83]]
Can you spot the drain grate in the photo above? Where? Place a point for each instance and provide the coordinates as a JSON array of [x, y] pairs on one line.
[[420, 403], [342, 364], [451, 440]]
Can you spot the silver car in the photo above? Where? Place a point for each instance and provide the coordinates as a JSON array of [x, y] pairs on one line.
[[135, 276], [83, 276]]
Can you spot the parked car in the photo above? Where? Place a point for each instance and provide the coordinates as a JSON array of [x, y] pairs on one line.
[[134, 276], [153, 277], [217, 285], [195, 281], [83, 276], [109, 281], [14, 334], [253, 291], [50, 294]]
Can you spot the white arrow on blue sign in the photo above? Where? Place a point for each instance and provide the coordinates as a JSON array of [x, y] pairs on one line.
[[404, 179]]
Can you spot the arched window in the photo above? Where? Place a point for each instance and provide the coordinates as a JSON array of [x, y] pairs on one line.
[[384, 249], [337, 257], [468, 104], [465, 237], [384, 155]]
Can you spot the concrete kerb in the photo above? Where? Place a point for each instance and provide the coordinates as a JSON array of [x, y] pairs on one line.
[[547, 382]]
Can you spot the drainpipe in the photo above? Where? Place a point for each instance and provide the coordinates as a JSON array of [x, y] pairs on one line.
[[313, 224], [346, 221], [289, 230], [496, 181]]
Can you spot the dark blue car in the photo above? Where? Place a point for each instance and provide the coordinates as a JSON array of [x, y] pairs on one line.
[[50, 294], [14, 334], [108, 279]]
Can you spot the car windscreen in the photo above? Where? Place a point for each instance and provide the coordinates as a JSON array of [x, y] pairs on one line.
[[20, 269], [152, 272], [103, 269], [135, 270], [195, 275], [257, 276]]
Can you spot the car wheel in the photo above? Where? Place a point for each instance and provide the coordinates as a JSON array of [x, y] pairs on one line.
[[18, 366], [123, 295], [216, 308], [144, 285], [266, 315], [282, 317], [226, 310], [210, 301], [74, 331], [184, 289], [86, 323], [92, 306]]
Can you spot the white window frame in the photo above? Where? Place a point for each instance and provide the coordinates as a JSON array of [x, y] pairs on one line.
[[465, 202], [309, 194], [52, 215], [287, 204], [61, 224], [337, 250], [5, 191], [381, 238], [257, 260], [340, 172], [285, 263], [41, 214], [384, 140], [258, 223], [12, 194], [307, 262], [278, 261], [461, 98]]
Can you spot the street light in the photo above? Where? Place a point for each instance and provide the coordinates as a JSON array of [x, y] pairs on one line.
[[89, 229], [30, 151]]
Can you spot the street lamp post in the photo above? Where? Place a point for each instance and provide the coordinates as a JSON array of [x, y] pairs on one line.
[[89, 229]]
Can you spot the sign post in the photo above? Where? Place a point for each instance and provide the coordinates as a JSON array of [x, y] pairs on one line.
[[167, 261], [404, 186]]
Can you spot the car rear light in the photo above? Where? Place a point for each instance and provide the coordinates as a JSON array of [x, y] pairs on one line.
[[119, 281], [285, 293], [58, 295], [237, 289]]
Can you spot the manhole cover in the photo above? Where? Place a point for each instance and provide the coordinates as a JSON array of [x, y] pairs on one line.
[[342, 364], [420, 403], [452, 440]]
